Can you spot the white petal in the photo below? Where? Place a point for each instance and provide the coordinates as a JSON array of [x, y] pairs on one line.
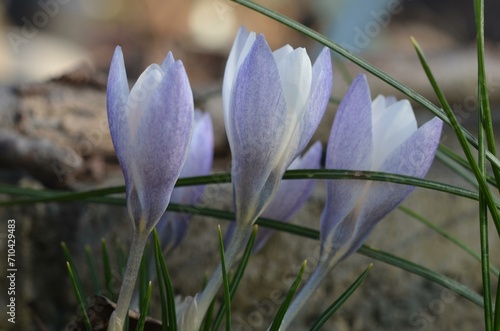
[[392, 126], [296, 74], [282, 52], [140, 95]]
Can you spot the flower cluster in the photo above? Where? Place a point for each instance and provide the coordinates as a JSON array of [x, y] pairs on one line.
[[272, 104]]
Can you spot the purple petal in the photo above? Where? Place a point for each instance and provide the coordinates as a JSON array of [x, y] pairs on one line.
[[161, 142], [172, 227], [349, 148], [233, 62], [321, 87], [117, 95], [257, 125], [168, 62]]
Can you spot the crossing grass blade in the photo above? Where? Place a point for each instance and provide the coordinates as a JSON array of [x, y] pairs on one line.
[[328, 313], [81, 302], [164, 277], [144, 310], [278, 319], [236, 279]]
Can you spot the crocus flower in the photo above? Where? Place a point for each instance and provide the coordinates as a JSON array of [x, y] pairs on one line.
[[273, 103], [379, 136], [151, 128], [375, 136], [172, 227], [290, 196]]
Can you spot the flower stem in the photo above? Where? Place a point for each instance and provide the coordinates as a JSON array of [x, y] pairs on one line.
[[117, 319]]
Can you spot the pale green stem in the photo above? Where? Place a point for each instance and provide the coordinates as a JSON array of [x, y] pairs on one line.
[[236, 245], [117, 319], [305, 293]]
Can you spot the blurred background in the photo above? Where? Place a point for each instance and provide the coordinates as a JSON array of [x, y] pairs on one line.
[[54, 58], [43, 38]]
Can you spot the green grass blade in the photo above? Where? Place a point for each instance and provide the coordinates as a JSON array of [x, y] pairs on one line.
[[74, 271], [163, 295], [143, 280], [328, 313], [484, 188], [83, 305], [424, 272], [225, 282], [457, 168], [106, 266], [485, 129], [412, 94], [121, 257], [289, 175], [172, 318], [235, 281], [145, 308], [96, 286], [278, 319], [483, 98], [457, 159], [446, 235], [496, 317], [207, 323]]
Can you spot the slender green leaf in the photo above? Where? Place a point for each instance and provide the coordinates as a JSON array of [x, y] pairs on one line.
[[485, 119], [161, 284], [496, 317], [483, 203], [484, 188], [446, 235], [96, 286], [143, 279], [145, 308], [278, 319], [328, 313], [457, 168], [172, 319], [236, 279], [443, 150], [289, 175], [81, 303], [225, 282], [106, 265], [78, 281], [121, 257], [207, 323], [424, 272]]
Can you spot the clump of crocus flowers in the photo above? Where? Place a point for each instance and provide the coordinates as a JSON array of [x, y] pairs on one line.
[[272, 104]]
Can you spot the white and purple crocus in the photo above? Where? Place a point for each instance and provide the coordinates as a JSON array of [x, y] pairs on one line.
[[151, 127], [374, 136], [273, 102]]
